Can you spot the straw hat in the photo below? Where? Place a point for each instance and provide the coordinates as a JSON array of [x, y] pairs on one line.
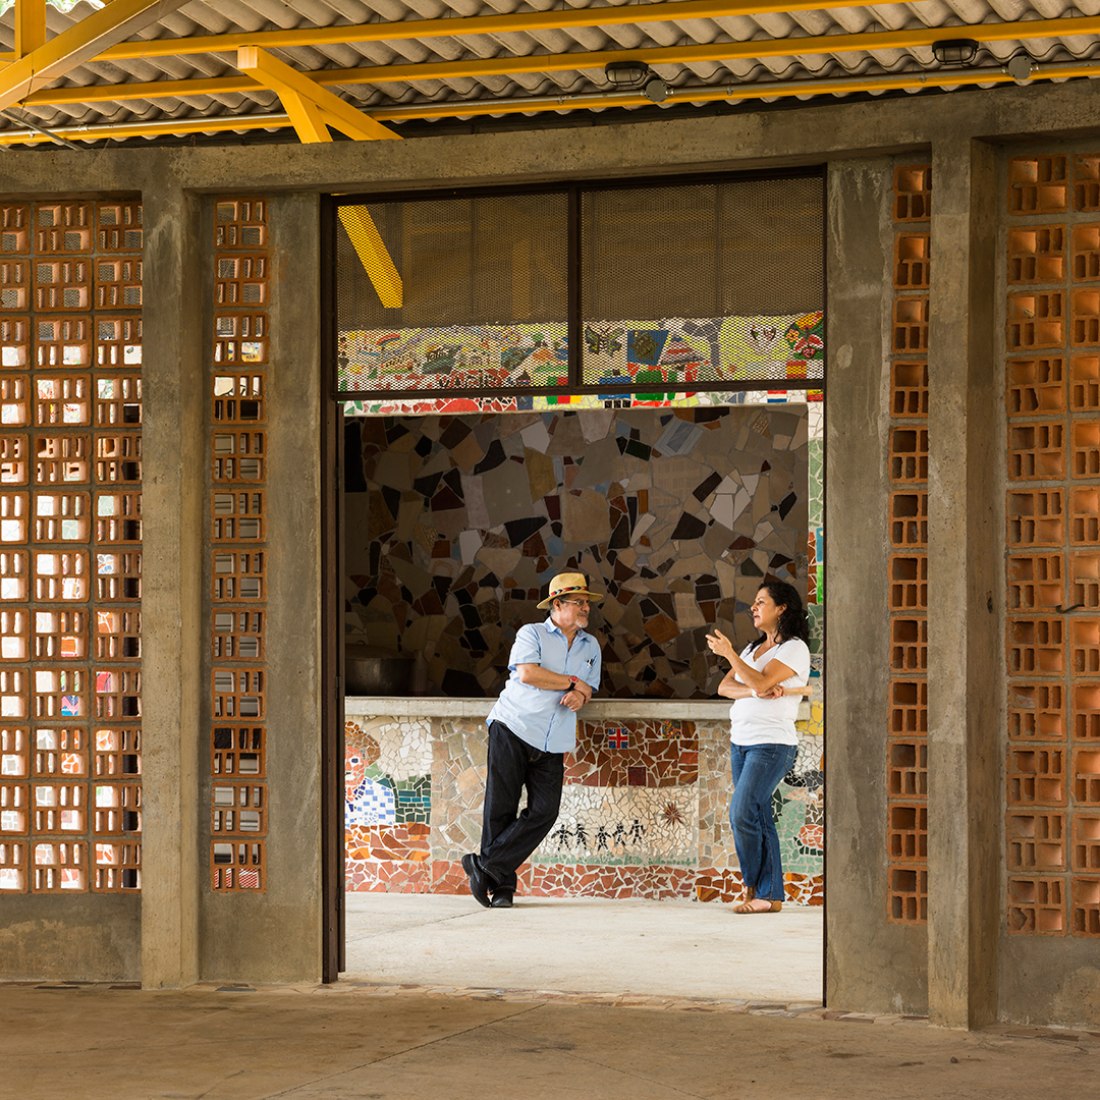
[[569, 584]]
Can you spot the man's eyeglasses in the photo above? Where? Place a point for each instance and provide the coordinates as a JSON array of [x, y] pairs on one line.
[[578, 603]]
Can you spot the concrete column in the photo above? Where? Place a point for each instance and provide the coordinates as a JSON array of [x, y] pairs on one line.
[[871, 965], [275, 936], [965, 666], [174, 393]]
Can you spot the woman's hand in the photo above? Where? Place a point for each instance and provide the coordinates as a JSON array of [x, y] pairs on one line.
[[720, 644], [776, 692]]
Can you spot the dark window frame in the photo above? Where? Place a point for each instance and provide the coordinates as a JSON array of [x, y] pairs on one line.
[[574, 190]]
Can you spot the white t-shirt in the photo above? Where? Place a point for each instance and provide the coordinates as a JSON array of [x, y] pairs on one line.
[[771, 721]]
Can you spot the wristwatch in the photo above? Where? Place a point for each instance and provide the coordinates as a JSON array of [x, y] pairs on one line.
[[572, 683]]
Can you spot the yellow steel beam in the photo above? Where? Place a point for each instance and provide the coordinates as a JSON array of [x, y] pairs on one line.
[[901, 81], [81, 42], [30, 26], [152, 89], [373, 254], [176, 128], [542, 63], [717, 51], [463, 26], [816, 87], [311, 108]]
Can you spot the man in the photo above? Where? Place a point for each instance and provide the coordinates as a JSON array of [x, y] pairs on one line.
[[554, 668]]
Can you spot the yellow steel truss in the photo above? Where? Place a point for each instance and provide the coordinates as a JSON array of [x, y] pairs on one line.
[[312, 110], [80, 43], [465, 26], [30, 26], [899, 82], [594, 61]]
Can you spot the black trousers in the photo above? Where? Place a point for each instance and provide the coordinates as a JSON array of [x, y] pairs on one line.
[[507, 836]]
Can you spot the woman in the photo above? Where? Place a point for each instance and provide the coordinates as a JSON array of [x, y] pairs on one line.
[[765, 682]]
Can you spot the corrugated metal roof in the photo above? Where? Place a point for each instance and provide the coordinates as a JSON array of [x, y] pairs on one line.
[[556, 62]]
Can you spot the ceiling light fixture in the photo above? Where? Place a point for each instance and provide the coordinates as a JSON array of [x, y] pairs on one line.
[[626, 74], [955, 51]]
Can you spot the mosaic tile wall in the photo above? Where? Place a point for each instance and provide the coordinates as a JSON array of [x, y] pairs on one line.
[[455, 526], [644, 810], [441, 406], [672, 351]]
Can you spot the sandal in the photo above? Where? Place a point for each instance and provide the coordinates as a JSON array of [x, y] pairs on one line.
[[752, 906]]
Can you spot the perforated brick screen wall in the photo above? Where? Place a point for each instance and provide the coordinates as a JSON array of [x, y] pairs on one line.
[[70, 546], [238, 546], [1052, 394], [907, 469]]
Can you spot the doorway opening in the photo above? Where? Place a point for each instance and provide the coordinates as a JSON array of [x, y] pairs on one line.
[[457, 505]]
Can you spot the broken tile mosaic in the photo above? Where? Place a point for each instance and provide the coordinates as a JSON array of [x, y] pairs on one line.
[[665, 835], [677, 516]]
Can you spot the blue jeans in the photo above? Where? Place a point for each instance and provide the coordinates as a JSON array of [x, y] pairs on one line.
[[757, 771]]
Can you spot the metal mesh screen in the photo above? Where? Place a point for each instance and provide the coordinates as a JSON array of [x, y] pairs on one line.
[[457, 293], [704, 282]]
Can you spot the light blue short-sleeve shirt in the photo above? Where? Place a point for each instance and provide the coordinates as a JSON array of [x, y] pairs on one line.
[[536, 715]]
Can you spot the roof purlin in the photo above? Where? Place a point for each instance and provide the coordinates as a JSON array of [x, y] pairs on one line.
[[543, 63]]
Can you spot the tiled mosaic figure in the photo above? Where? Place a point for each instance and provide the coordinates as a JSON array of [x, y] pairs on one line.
[[623, 826], [368, 800], [374, 796]]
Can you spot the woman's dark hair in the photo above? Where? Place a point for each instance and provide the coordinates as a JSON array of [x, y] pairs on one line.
[[793, 620]]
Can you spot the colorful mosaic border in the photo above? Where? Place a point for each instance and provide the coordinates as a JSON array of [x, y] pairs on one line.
[[672, 352]]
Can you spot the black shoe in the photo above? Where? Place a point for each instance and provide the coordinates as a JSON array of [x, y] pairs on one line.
[[479, 880], [502, 899]]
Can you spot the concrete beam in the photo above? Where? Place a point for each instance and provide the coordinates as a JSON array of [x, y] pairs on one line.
[[738, 140], [965, 668]]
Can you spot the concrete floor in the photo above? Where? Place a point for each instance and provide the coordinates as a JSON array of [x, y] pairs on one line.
[[586, 945], [59, 1042]]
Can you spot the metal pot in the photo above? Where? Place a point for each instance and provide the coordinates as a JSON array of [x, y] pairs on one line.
[[369, 673]]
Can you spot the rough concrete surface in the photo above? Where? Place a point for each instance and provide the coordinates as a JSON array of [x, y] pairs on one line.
[[390, 1044], [586, 945]]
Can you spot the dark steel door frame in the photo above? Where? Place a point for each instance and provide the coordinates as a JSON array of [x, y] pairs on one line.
[[332, 635]]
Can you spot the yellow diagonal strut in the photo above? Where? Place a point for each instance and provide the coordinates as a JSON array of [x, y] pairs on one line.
[[372, 252], [312, 109]]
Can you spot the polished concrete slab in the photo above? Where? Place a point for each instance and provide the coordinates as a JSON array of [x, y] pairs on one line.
[[676, 948], [61, 1041]]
